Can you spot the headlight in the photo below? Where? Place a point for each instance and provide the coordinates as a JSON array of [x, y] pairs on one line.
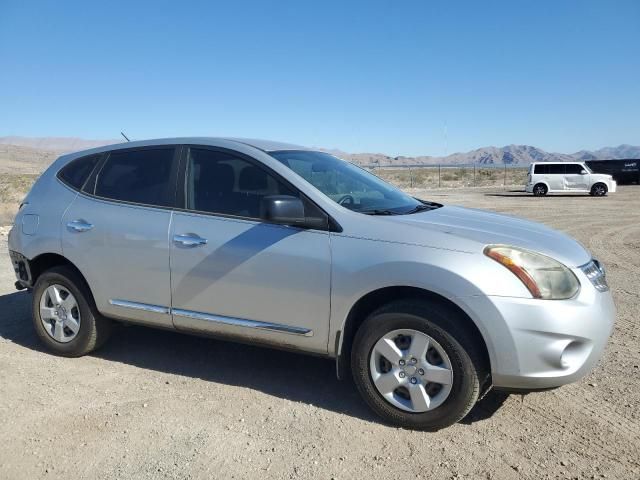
[[543, 276]]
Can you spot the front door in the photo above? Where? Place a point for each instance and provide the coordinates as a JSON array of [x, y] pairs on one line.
[[574, 179], [235, 275]]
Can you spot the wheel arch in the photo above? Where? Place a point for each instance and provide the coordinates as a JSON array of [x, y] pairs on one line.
[[46, 261], [382, 296]]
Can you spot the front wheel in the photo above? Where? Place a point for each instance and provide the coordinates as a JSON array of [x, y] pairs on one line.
[[64, 315], [416, 367], [599, 190]]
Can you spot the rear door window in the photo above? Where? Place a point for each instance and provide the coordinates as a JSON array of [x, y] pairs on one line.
[[556, 169], [138, 176]]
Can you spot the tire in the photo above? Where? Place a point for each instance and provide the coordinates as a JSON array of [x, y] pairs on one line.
[[540, 190], [92, 329], [446, 327], [599, 190]]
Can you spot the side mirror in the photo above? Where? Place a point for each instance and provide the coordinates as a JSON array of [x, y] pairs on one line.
[[583, 172], [284, 209], [289, 210]]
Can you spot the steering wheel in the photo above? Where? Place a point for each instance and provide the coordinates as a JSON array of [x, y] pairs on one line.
[[346, 200]]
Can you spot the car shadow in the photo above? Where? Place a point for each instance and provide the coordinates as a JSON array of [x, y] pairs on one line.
[[292, 376]]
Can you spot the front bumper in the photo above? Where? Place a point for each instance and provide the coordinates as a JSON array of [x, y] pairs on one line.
[[538, 344]]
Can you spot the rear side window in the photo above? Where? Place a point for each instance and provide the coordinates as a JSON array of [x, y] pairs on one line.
[[76, 173], [218, 182], [541, 169], [139, 176]]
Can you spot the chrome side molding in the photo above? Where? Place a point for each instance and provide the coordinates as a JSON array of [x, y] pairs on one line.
[[206, 317], [140, 306], [240, 322]]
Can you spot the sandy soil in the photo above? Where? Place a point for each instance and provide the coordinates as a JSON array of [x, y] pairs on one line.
[[155, 404]]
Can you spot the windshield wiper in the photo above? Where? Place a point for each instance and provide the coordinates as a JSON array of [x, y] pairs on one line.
[[420, 208], [379, 212]]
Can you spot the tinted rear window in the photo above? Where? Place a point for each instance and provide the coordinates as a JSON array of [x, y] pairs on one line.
[[556, 168], [77, 172], [139, 176]]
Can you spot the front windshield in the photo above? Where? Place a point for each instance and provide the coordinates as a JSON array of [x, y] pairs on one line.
[[348, 185]]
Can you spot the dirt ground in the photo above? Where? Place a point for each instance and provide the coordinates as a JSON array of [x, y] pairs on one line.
[[154, 404]]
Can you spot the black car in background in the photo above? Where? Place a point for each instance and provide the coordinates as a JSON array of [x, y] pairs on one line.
[[622, 171]]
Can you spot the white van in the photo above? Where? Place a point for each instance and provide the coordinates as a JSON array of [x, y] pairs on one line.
[[554, 177]]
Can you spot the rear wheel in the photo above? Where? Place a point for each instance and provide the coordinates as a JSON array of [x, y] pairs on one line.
[[599, 190], [415, 366], [540, 190], [64, 314]]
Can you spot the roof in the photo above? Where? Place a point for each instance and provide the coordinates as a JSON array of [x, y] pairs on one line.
[[558, 162], [266, 145]]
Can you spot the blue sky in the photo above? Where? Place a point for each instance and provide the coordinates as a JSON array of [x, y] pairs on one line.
[[377, 76]]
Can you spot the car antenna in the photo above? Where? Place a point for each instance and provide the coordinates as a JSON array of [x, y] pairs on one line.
[[125, 137]]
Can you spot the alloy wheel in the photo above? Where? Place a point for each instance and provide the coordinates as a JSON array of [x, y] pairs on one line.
[[539, 190], [599, 190], [59, 313], [411, 370]]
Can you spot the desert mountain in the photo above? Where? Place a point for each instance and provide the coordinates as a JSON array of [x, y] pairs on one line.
[[56, 144], [509, 155]]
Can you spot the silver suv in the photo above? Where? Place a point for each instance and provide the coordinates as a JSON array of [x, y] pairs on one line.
[[428, 306]]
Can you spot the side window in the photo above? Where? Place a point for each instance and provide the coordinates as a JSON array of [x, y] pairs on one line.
[[77, 172], [556, 169], [139, 176], [541, 169], [573, 168], [218, 182]]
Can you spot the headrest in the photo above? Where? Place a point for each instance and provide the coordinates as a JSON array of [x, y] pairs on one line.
[[252, 178]]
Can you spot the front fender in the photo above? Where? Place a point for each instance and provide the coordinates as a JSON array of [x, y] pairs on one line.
[[364, 266]]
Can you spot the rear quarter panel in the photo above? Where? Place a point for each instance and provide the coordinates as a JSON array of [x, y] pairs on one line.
[[37, 224]]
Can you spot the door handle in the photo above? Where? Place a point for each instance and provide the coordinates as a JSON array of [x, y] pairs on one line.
[[79, 226], [189, 240]]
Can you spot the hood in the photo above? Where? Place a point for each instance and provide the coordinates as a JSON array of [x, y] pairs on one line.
[[602, 175], [480, 228]]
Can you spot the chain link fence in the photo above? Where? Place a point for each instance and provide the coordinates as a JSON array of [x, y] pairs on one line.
[[451, 176]]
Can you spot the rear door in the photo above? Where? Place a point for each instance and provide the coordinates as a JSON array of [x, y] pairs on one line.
[[234, 274], [555, 176], [116, 233]]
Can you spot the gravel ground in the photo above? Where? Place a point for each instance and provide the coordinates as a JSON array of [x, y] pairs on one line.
[[154, 404]]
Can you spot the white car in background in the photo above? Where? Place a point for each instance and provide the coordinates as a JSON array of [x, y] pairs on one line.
[[555, 177]]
